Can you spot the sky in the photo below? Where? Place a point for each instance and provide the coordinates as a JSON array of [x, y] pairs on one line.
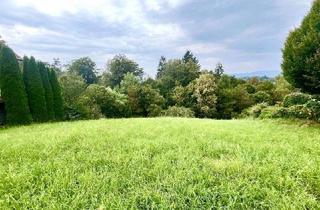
[[244, 35]]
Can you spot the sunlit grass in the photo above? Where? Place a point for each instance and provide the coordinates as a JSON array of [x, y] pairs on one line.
[[160, 163]]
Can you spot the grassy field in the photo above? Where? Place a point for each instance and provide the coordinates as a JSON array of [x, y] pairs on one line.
[[160, 164]]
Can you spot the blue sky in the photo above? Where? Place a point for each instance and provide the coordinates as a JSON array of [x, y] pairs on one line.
[[245, 35]]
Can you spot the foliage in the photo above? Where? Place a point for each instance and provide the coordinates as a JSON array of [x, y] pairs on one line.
[[44, 72], [161, 67], [296, 99], [128, 81], [262, 97], [161, 163], [12, 89], [99, 101], [205, 94], [72, 87], [301, 54], [272, 112], [189, 57], [176, 72], [57, 97], [176, 111], [254, 111], [282, 89], [35, 90], [219, 70], [242, 99], [119, 66], [149, 99], [299, 111], [84, 67], [313, 106]]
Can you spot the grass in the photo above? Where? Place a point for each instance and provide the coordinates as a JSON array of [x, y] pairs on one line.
[[160, 164]]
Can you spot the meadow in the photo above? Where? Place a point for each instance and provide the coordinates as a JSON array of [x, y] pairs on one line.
[[160, 163]]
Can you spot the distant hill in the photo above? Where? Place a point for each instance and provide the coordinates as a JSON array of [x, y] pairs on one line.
[[270, 74]]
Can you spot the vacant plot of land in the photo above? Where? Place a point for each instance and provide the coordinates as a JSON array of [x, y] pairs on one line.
[[160, 163]]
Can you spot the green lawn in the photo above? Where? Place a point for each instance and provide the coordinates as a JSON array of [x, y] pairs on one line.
[[160, 163]]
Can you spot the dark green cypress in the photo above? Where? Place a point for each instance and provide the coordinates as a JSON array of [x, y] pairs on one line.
[[35, 90], [47, 88], [12, 89], [57, 98]]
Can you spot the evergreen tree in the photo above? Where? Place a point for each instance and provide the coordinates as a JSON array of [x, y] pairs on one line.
[[57, 98], [47, 88], [161, 66], [35, 90], [301, 53], [189, 57], [12, 88]]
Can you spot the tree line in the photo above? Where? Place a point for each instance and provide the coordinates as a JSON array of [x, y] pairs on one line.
[[30, 89], [180, 88]]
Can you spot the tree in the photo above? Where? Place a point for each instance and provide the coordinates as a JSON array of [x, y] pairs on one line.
[[176, 73], [57, 98], [161, 66], [47, 89], [219, 70], [189, 57], [35, 90], [84, 67], [119, 66], [226, 101], [205, 94], [103, 101], [150, 101], [282, 88], [72, 87], [12, 88], [128, 81], [301, 53]]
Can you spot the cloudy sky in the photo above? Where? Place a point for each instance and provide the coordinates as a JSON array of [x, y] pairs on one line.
[[245, 35]]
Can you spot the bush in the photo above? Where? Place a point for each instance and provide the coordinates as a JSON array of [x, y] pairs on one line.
[[314, 107], [154, 110], [72, 113], [262, 97], [273, 112], [299, 111], [296, 99], [98, 101], [254, 111], [175, 111]]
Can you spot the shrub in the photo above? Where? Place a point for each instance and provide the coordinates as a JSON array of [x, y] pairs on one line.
[[299, 111], [262, 97], [253, 111], [272, 112], [314, 107], [175, 111], [98, 101], [296, 99], [154, 110]]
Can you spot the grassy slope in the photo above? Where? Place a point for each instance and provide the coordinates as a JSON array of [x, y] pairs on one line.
[[162, 163]]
